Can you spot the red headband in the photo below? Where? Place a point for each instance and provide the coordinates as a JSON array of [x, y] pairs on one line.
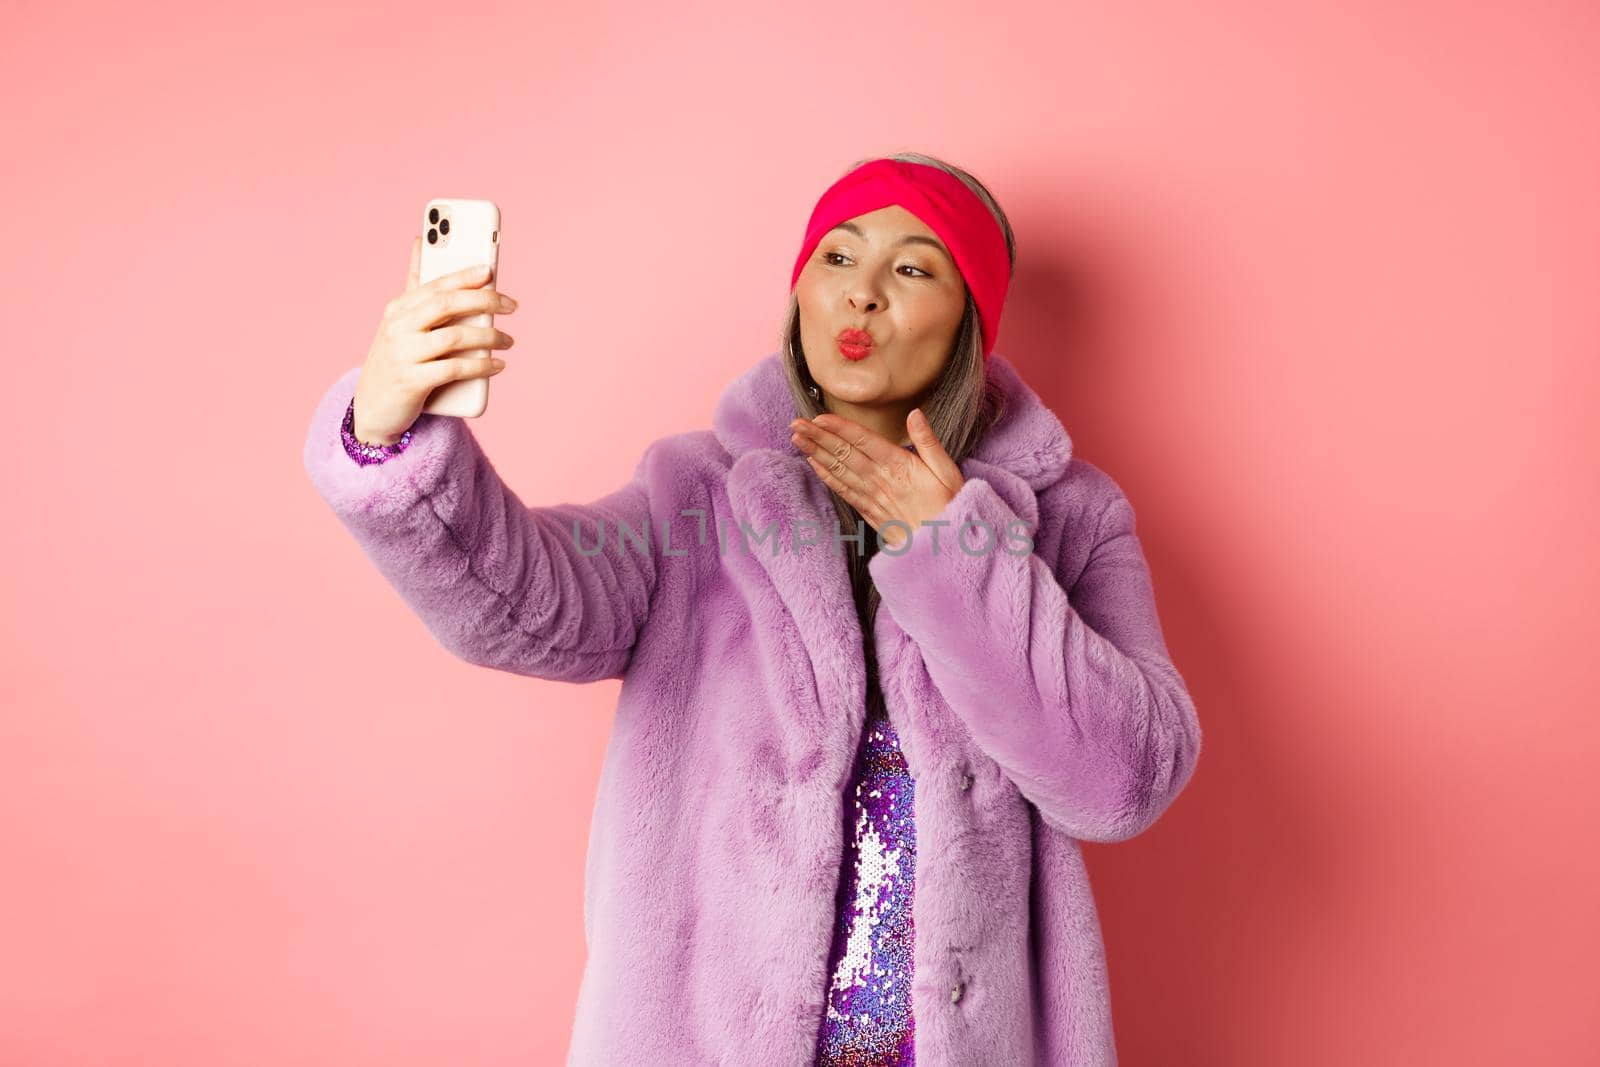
[[944, 204]]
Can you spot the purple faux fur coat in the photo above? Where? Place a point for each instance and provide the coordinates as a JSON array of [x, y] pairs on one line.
[[717, 838]]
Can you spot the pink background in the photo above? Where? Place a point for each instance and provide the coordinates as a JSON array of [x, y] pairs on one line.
[[1317, 286]]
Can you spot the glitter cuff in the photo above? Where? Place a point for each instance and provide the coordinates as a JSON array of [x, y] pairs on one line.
[[361, 452]]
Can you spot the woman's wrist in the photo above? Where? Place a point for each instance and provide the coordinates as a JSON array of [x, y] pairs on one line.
[[368, 451]]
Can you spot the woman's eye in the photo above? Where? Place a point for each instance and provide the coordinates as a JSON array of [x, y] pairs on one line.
[[826, 259]]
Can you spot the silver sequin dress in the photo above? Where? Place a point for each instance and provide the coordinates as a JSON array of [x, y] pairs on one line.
[[867, 1021]]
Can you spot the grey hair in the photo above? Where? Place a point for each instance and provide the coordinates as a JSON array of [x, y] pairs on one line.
[[961, 405]]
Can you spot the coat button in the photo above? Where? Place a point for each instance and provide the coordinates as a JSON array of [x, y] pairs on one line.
[[955, 992], [966, 782]]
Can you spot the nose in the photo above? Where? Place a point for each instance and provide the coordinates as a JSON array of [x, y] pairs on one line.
[[863, 298]]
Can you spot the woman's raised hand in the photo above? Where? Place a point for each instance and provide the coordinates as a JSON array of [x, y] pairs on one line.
[[408, 361]]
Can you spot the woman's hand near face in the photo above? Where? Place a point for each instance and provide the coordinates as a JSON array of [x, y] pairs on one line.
[[407, 359], [877, 477]]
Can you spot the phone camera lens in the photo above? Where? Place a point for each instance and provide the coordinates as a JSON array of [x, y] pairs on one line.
[[433, 237], [433, 214], [444, 227]]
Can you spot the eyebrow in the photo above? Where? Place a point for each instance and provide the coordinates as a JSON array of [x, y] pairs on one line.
[[908, 239]]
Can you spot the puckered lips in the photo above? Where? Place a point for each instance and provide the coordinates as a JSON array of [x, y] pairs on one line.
[[855, 343]]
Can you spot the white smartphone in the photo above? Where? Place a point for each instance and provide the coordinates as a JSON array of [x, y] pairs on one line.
[[457, 234]]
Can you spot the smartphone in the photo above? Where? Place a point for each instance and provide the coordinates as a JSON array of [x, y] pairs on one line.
[[457, 234]]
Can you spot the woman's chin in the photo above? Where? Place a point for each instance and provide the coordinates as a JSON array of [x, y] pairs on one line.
[[854, 388]]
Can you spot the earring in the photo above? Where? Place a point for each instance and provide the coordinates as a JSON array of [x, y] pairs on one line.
[[815, 392]]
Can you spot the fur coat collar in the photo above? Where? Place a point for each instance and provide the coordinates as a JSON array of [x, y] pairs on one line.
[[770, 481]]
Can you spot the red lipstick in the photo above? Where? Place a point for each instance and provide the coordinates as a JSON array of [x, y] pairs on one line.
[[855, 344]]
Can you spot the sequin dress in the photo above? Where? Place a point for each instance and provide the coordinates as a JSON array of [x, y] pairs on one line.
[[867, 1020]]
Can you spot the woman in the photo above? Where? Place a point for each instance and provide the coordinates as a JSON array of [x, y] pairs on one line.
[[1014, 698]]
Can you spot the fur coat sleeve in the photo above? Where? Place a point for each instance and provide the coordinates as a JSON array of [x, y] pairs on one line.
[[498, 583], [1070, 691]]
